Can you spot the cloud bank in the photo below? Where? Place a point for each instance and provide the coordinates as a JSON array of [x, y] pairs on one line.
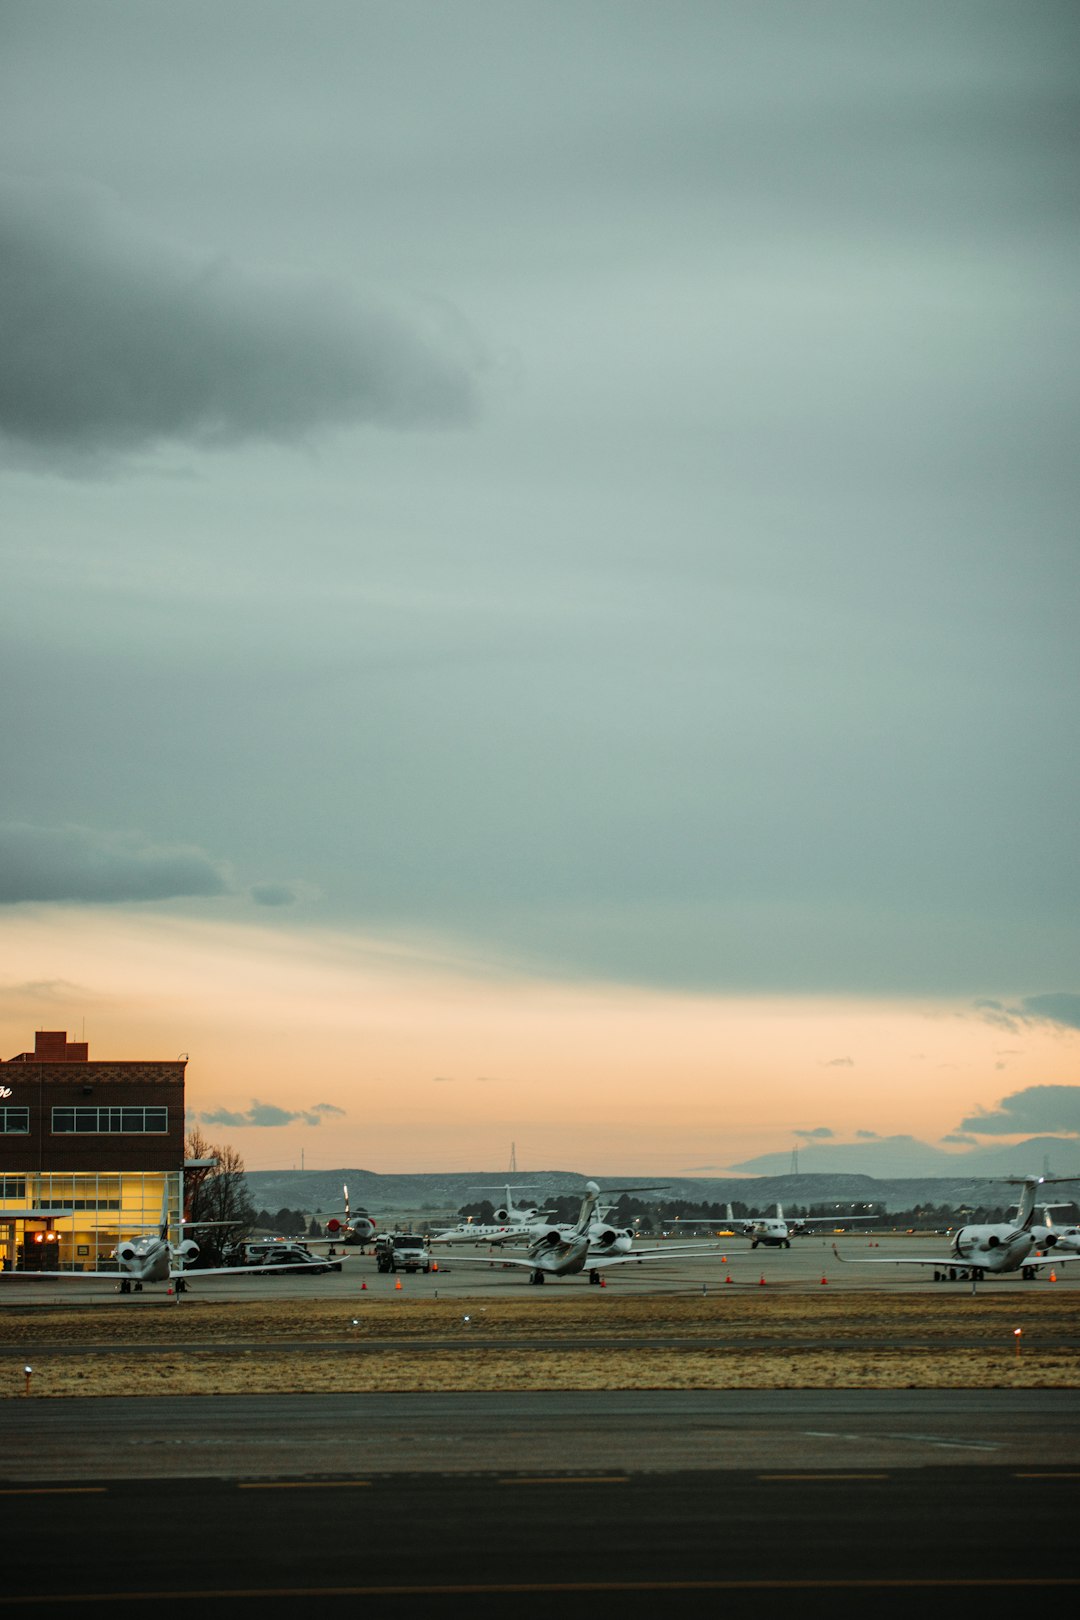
[[81, 864], [1060, 1007], [1053, 1110], [114, 340], [268, 1114]]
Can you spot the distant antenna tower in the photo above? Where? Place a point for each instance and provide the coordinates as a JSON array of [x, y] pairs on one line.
[[795, 1160], [513, 1158]]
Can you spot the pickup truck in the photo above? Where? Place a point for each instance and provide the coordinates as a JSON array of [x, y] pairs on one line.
[[401, 1251]]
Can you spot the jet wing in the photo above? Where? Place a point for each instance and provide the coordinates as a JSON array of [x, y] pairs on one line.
[[948, 1259], [496, 1260], [708, 1251]]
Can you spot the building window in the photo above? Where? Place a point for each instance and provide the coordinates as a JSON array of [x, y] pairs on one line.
[[15, 1121], [12, 1187], [111, 1121]]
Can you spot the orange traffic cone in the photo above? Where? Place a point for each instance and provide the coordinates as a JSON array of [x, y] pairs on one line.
[[824, 1279], [398, 1283], [603, 1280], [363, 1288], [761, 1284], [434, 1265], [1053, 1276], [727, 1279]]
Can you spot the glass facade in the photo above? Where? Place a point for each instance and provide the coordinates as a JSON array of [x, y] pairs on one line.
[[91, 1212]]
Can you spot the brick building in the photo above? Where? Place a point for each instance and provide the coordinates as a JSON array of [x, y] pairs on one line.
[[89, 1151]]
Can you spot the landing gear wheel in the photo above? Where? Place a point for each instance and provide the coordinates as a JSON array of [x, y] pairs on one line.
[[138, 1288], [594, 1276], [536, 1277], [125, 1286]]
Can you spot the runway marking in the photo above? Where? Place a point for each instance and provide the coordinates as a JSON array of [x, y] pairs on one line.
[[555, 1588], [565, 1479], [54, 1490], [302, 1484], [822, 1476], [931, 1439]]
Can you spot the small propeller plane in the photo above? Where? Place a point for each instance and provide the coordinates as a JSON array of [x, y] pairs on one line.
[[993, 1249]]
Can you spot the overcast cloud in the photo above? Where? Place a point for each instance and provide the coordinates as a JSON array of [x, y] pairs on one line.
[[731, 641], [114, 340]]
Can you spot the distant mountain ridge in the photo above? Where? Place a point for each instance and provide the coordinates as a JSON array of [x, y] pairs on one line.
[[443, 1193], [905, 1156]]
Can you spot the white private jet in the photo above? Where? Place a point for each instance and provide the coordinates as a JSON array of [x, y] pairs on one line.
[[775, 1232], [561, 1251], [510, 1220], [351, 1228], [1064, 1239], [987, 1250], [150, 1259]]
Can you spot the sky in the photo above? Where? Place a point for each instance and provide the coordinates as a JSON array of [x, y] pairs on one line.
[[540, 571]]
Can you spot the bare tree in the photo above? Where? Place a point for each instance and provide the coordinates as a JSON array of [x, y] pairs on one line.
[[219, 1192]]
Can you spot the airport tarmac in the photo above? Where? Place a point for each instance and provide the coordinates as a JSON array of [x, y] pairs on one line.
[[798, 1269]]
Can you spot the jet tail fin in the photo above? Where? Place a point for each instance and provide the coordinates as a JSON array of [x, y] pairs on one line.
[[588, 1208]]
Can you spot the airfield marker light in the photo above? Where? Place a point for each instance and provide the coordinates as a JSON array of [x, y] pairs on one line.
[[1017, 1333], [27, 1370]]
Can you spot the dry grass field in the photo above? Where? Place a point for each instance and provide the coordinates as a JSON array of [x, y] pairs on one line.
[[598, 1341]]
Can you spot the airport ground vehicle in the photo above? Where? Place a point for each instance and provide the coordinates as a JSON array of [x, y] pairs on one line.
[[278, 1254], [402, 1251]]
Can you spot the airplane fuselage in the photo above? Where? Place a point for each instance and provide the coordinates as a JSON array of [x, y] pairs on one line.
[[993, 1248]]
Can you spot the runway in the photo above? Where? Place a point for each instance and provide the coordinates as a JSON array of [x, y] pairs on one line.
[[777, 1542], [654, 1431]]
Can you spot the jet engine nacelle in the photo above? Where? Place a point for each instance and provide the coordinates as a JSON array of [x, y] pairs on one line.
[[127, 1252], [551, 1240], [188, 1251], [605, 1237], [501, 1217], [971, 1241]]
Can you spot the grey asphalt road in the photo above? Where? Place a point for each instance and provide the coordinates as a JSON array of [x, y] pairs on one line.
[[631, 1545], [302, 1436]]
